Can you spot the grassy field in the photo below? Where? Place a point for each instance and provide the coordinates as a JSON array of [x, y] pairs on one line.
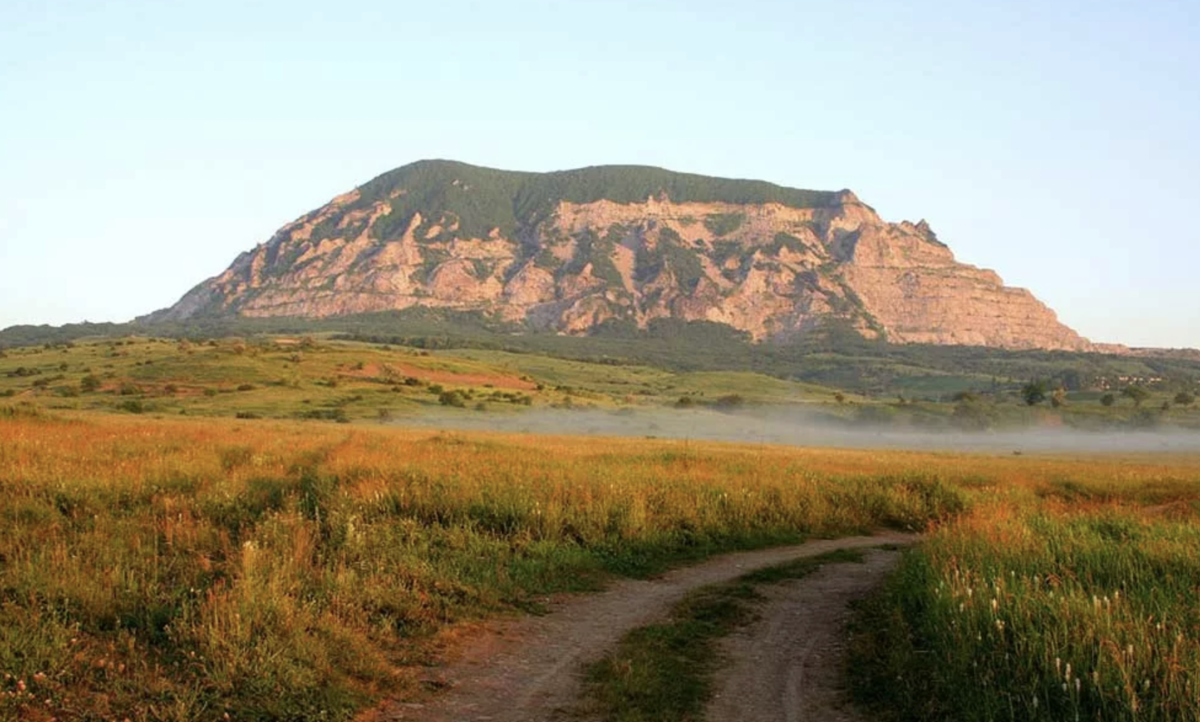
[[167, 569], [1073, 599], [180, 568]]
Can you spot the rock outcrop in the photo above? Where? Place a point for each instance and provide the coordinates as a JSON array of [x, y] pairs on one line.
[[567, 252]]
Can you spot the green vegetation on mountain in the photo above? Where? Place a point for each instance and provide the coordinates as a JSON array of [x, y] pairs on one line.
[[485, 198]]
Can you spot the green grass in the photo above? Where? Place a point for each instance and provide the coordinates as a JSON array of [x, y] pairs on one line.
[[1077, 611], [663, 672]]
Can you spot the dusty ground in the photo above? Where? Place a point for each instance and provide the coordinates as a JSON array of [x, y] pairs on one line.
[[527, 670], [788, 664]]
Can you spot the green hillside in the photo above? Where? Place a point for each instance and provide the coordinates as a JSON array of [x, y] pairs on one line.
[[833, 358]]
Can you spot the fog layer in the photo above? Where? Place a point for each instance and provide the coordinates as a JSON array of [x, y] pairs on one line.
[[796, 427]]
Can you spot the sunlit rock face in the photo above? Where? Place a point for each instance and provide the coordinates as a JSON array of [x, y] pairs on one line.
[[569, 251]]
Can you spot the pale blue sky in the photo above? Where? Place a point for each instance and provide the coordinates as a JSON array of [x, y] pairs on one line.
[[143, 145]]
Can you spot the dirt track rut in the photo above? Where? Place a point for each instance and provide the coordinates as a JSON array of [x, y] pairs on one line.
[[787, 666], [527, 669]]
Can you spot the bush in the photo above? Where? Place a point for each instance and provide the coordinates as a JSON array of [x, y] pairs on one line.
[[452, 398], [89, 383], [245, 387], [133, 406], [1034, 392]]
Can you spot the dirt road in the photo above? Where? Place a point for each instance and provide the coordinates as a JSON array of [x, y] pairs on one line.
[[787, 666], [527, 670]]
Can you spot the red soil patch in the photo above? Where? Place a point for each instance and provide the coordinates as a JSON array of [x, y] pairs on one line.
[[445, 377]]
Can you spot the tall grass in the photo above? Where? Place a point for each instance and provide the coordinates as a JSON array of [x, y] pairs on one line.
[[1043, 609], [181, 570]]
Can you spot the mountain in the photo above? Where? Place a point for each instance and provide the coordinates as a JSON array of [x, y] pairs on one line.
[[572, 250]]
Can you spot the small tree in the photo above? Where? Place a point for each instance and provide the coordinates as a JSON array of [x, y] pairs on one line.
[[1034, 392], [1108, 400], [1058, 399], [1183, 398], [1136, 393]]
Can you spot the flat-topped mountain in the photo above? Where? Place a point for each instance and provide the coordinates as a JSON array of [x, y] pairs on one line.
[[571, 250]]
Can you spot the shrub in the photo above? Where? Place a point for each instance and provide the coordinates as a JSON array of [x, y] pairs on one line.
[[723, 224], [452, 398], [1034, 392], [133, 406], [245, 387]]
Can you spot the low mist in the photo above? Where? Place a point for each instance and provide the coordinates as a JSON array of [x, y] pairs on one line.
[[797, 427]]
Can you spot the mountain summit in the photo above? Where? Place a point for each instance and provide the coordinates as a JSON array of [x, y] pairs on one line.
[[571, 250]]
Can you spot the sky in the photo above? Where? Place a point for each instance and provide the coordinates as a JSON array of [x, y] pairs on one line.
[[143, 145]]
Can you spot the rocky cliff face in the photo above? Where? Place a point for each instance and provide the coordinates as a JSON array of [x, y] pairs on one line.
[[567, 252]]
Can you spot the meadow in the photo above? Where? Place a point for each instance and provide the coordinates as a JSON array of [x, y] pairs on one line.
[[177, 568], [189, 533]]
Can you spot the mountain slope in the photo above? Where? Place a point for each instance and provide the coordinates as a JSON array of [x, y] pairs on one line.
[[571, 250]]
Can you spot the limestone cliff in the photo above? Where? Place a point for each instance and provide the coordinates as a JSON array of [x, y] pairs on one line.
[[569, 251]]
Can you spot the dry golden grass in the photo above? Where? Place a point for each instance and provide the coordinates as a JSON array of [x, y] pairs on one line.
[[178, 568]]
